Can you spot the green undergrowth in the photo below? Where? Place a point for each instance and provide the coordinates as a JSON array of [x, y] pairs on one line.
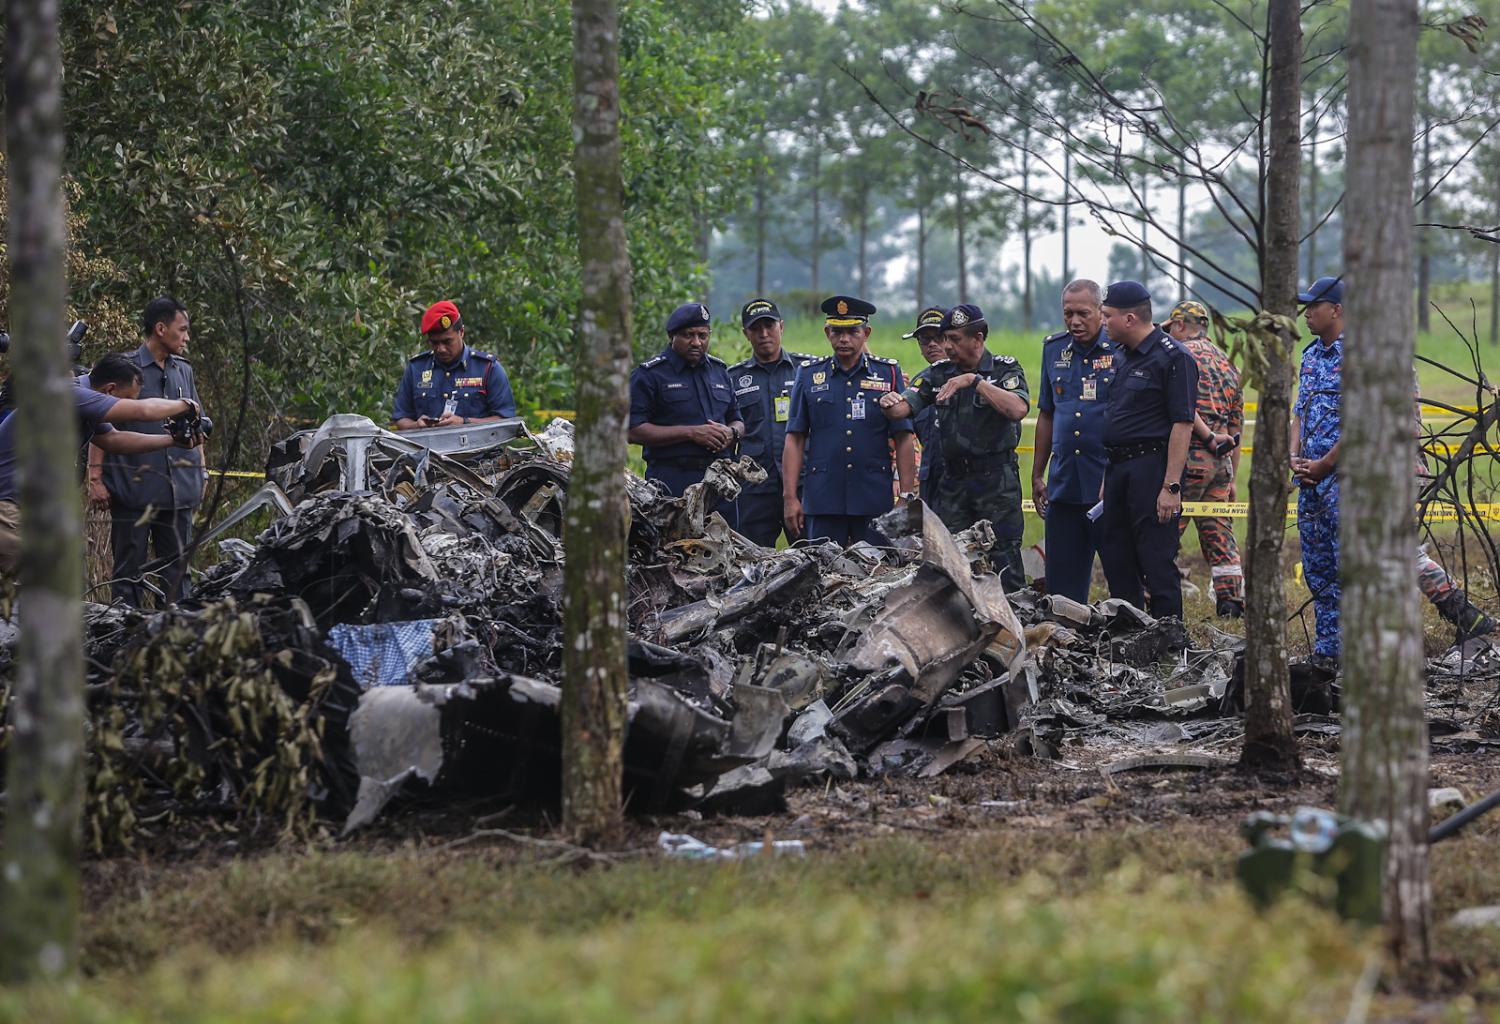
[[1124, 947]]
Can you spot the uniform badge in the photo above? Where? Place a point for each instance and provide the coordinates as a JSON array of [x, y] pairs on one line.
[[960, 318], [746, 381], [843, 307], [703, 312], [426, 376], [819, 376], [446, 321], [1009, 383], [1067, 356]]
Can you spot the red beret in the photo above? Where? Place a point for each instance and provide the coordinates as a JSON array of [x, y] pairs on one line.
[[439, 317]]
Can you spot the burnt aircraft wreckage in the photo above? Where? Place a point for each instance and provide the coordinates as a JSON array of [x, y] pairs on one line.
[[395, 631]]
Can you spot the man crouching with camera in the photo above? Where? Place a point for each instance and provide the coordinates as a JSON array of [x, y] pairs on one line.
[[108, 397]]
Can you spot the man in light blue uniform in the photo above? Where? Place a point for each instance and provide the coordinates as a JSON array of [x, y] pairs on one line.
[[837, 428], [1078, 367]]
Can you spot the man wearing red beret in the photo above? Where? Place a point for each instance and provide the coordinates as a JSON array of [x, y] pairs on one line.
[[450, 383]]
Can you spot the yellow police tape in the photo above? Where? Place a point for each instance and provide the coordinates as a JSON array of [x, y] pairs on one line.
[[1241, 510]]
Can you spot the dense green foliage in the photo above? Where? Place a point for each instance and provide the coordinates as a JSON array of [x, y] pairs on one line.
[[333, 168]]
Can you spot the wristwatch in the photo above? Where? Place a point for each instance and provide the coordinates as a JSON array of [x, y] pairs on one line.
[[1173, 488]]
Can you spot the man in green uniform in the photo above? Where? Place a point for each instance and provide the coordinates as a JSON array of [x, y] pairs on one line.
[[981, 400]]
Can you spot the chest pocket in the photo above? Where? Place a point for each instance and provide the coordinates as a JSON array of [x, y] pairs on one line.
[[1134, 383], [680, 406]]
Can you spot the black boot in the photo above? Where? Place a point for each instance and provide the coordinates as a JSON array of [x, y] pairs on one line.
[[1459, 610], [1229, 608]]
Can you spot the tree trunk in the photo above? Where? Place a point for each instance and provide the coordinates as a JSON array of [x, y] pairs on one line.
[[960, 217], [1384, 743], [43, 834], [1145, 210], [1026, 312], [817, 220], [594, 605], [1495, 293], [760, 216], [1067, 217], [1269, 740], [1312, 204], [1182, 236], [1424, 214], [864, 240], [921, 258]]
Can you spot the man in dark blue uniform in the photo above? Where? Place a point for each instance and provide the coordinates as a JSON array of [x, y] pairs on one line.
[[981, 398], [1078, 366], [450, 383], [1151, 407], [763, 387], [682, 409], [837, 428], [929, 335]]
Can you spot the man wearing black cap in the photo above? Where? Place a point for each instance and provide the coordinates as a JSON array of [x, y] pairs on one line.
[[837, 429], [1146, 435], [981, 399], [763, 387], [929, 335], [682, 409]]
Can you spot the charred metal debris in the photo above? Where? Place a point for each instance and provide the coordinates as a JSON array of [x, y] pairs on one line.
[[395, 633]]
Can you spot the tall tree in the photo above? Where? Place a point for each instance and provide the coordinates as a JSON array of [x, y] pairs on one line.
[[1384, 746], [1268, 712], [594, 609], [44, 777]]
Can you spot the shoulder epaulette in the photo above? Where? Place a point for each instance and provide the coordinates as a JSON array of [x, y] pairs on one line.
[[814, 360], [420, 355], [798, 357], [1006, 359], [881, 359], [1059, 336], [716, 359], [655, 360], [481, 355], [945, 361]]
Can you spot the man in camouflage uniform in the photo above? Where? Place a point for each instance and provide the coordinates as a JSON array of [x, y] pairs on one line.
[[981, 399], [1210, 477]]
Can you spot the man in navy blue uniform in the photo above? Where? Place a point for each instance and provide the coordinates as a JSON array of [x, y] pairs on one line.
[[837, 429], [929, 335], [450, 383], [682, 409], [763, 387], [1152, 402], [1078, 367]]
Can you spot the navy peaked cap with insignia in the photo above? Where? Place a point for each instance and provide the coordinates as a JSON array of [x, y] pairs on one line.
[[932, 316], [1126, 295], [963, 315], [693, 314], [847, 311], [758, 309], [1324, 289]]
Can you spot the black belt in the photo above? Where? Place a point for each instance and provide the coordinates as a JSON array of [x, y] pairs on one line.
[[964, 465], [1126, 452]]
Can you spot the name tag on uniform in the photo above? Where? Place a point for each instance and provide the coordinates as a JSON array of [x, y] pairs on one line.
[[673, 385], [819, 387], [746, 391], [875, 385], [783, 408], [857, 408], [1090, 389]]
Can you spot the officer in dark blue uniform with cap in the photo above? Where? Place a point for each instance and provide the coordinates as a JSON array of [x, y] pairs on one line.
[[1078, 367], [837, 428], [682, 409], [763, 387], [929, 335], [1150, 422], [450, 383]]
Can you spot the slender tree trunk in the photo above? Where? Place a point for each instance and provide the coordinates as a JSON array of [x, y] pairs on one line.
[[1026, 310], [1495, 294], [960, 217], [594, 606], [1424, 237], [760, 216], [1269, 740], [817, 219], [1067, 216], [864, 241], [1312, 204], [1145, 208], [921, 257], [1182, 236], [1384, 743], [39, 859]]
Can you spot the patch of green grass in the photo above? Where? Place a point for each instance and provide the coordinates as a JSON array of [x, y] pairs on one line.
[[762, 941]]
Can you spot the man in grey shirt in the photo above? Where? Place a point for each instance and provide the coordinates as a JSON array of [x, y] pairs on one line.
[[152, 494]]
